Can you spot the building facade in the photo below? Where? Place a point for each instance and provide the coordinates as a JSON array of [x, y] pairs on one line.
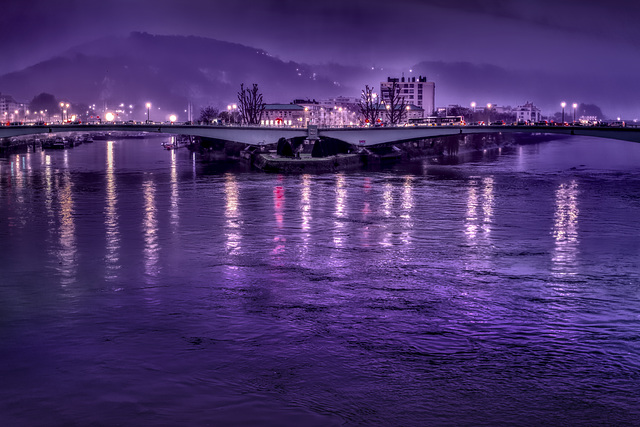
[[415, 90], [527, 113], [283, 115], [10, 110]]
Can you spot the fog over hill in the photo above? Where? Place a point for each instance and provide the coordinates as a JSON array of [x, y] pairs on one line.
[[171, 71]]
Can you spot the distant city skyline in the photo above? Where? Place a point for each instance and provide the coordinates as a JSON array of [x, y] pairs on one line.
[[587, 44]]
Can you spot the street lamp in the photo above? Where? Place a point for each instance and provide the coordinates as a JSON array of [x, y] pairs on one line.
[[489, 115], [234, 107], [172, 118], [563, 104], [575, 105], [62, 114], [148, 111]]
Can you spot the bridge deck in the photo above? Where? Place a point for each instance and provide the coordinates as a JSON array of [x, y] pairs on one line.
[[365, 137]]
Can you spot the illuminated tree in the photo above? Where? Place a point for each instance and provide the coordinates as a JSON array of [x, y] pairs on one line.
[[394, 103], [369, 105], [250, 105]]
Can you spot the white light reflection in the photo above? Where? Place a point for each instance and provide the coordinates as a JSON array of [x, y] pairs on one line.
[[173, 210], [150, 229], [565, 230], [17, 171], [407, 210], [111, 218], [67, 250], [232, 226], [387, 205], [339, 223], [305, 209], [479, 215], [366, 211]]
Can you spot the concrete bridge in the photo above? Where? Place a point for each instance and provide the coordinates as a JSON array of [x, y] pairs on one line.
[[363, 137]]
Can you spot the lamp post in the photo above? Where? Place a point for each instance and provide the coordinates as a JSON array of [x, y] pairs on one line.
[[61, 112], [563, 104], [473, 110], [575, 105], [234, 107], [489, 114], [148, 112], [229, 112]]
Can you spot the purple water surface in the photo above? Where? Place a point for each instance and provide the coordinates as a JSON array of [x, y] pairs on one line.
[[140, 286]]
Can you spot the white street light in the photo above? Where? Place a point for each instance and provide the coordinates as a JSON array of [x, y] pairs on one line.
[[172, 118], [563, 104]]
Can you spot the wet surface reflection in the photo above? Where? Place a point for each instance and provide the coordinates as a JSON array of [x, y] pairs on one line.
[[565, 229], [66, 251], [112, 257], [150, 229], [232, 225], [142, 286]]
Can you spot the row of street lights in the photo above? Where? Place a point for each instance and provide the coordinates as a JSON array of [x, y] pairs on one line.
[[232, 109], [575, 106]]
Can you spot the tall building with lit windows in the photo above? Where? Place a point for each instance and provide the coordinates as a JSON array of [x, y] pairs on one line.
[[8, 108], [415, 90], [528, 113]]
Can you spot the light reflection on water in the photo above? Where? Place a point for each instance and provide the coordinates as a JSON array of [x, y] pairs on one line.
[[111, 218], [339, 223], [66, 252], [150, 229], [565, 230], [174, 209], [423, 295], [231, 213]]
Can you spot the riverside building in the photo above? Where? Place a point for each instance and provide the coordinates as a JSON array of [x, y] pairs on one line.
[[415, 90]]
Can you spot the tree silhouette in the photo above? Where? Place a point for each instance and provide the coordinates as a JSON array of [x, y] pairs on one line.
[[395, 104], [207, 114], [250, 105], [369, 105], [45, 101]]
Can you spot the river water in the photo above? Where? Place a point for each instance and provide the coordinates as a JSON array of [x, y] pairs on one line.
[[141, 287]]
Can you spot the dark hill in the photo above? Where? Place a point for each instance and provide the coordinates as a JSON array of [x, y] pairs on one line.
[[167, 71]]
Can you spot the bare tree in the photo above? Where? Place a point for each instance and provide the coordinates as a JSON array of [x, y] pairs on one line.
[[250, 105], [369, 105], [207, 114], [396, 104]]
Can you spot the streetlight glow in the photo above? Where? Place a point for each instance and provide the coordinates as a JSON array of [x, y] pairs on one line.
[[172, 118], [563, 104]]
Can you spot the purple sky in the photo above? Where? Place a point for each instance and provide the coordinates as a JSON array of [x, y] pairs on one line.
[[581, 38]]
